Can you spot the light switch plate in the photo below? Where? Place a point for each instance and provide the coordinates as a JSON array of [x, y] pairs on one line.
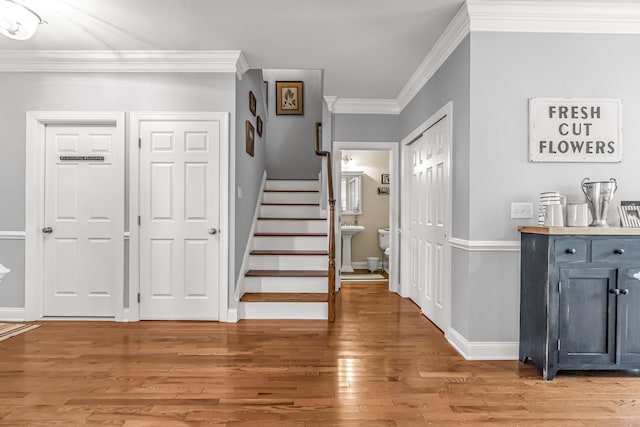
[[521, 210]]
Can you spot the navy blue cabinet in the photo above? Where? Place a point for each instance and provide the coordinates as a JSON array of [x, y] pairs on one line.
[[579, 301]]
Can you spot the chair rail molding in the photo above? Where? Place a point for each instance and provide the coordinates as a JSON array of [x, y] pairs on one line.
[[12, 235], [485, 245], [169, 61]]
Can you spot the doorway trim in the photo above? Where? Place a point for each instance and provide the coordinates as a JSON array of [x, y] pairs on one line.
[[394, 211], [36, 123], [445, 111], [135, 118]]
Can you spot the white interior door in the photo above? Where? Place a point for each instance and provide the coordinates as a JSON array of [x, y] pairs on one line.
[[429, 271], [180, 214], [84, 221]]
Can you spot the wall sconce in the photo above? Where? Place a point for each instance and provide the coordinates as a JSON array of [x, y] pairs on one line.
[[17, 21], [346, 160]]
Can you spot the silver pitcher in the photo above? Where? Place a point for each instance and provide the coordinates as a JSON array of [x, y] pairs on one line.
[[599, 195]]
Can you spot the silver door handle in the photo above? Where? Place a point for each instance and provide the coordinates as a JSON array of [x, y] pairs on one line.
[[213, 231], [47, 230]]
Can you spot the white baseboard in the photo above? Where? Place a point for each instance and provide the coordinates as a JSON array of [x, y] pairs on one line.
[[232, 315], [11, 314], [482, 350]]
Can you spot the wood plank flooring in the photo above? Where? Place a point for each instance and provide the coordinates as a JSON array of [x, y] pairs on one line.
[[380, 364]]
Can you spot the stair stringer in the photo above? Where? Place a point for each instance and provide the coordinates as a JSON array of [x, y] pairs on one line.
[[240, 280]]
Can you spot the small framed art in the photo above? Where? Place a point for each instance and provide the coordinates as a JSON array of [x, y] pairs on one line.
[[259, 126], [629, 214], [252, 103], [384, 178], [251, 138], [289, 99]]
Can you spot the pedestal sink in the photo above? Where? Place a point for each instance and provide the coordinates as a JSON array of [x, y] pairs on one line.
[[348, 231]]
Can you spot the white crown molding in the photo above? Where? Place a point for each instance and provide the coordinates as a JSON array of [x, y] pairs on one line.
[[330, 101], [545, 16], [534, 16], [448, 41], [482, 350], [485, 245], [230, 61], [364, 106], [12, 235]]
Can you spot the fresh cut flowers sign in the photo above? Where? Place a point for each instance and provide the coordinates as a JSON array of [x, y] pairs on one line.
[[575, 130]]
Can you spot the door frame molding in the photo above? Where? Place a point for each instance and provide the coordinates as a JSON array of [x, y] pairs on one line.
[[36, 123], [394, 215], [445, 111], [134, 203]]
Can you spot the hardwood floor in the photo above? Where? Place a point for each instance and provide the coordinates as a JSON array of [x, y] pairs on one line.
[[380, 364]]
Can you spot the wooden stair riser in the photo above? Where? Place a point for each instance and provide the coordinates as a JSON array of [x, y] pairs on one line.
[[284, 226], [285, 284], [290, 243], [283, 310], [288, 262], [284, 184], [291, 197], [290, 211]]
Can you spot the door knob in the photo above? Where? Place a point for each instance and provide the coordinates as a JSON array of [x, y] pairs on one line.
[[213, 231], [47, 230], [618, 251], [624, 291], [614, 291], [571, 251]]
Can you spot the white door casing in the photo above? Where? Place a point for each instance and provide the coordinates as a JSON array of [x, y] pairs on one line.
[[427, 217], [394, 202], [36, 132], [84, 216], [181, 187]]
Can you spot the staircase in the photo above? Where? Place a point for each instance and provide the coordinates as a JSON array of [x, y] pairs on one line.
[[287, 277]]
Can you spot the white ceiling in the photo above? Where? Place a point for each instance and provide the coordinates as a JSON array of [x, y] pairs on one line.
[[368, 48]]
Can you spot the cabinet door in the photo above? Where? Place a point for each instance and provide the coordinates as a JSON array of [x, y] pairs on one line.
[[587, 317], [629, 316]]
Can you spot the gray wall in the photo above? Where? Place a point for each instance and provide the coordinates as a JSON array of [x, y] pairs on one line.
[[249, 170], [507, 70], [366, 127], [83, 92], [291, 152]]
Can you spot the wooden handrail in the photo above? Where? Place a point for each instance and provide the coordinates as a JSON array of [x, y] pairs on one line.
[[331, 298]]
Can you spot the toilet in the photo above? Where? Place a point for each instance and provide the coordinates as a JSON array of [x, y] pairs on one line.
[[383, 242]]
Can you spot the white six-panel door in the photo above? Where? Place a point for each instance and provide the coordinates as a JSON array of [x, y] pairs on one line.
[[427, 164], [84, 221], [180, 216]]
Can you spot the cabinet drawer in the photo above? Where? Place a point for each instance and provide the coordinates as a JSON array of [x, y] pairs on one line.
[[615, 250], [570, 250]]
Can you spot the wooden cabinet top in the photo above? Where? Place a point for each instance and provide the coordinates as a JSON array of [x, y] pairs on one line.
[[608, 231]]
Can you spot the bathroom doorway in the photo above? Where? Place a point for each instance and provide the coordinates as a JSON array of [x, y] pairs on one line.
[[367, 206]]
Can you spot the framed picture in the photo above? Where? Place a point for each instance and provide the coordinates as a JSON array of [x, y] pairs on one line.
[[384, 178], [251, 138], [629, 214], [289, 98], [383, 190], [252, 103], [259, 126]]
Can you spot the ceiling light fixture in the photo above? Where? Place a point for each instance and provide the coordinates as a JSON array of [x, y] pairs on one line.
[[17, 21]]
